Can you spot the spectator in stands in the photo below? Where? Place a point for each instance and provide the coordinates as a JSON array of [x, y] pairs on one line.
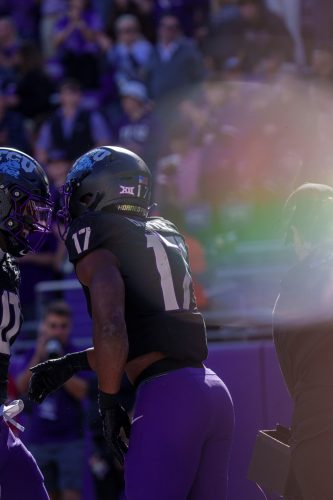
[[50, 11], [71, 128], [197, 118], [118, 9], [36, 267], [57, 167], [25, 16], [175, 64], [190, 13], [138, 129], [223, 10], [12, 129], [9, 42], [262, 33], [103, 7], [34, 88], [322, 63], [130, 53], [252, 35], [179, 172], [75, 39], [145, 14], [54, 428]]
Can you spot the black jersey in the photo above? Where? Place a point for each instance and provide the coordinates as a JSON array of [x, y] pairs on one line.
[[160, 307], [10, 309]]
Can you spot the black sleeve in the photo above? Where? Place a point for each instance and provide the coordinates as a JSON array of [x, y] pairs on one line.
[[89, 232]]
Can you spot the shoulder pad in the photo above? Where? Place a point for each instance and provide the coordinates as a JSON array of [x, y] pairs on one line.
[[161, 225], [90, 231]]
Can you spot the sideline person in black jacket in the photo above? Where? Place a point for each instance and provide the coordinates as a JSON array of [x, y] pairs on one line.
[[303, 336]]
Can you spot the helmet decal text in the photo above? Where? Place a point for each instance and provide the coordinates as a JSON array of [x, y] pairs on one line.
[[12, 162], [127, 190], [86, 162]]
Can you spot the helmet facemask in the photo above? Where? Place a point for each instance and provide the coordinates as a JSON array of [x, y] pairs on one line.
[[64, 217], [28, 221]]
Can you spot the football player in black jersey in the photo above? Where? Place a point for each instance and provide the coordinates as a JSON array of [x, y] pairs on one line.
[[25, 218], [135, 272]]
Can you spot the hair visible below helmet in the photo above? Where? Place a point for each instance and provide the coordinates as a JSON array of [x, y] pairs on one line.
[[310, 210], [106, 178], [25, 202]]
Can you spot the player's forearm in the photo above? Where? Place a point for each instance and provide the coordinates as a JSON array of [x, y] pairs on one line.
[[111, 350], [99, 271]]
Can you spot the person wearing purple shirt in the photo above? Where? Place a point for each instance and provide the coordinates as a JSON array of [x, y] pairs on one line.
[[138, 128], [75, 37], [54, 429]]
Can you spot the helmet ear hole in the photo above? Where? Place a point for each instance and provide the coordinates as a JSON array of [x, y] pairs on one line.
[[86, 198]]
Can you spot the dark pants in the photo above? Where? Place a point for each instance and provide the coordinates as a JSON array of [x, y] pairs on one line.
[[312, 465]]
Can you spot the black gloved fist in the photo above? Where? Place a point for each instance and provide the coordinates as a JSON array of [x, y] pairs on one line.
[[114, 418], [47, 377]]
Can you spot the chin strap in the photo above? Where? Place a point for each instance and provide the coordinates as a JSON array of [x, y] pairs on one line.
[[9, 412]]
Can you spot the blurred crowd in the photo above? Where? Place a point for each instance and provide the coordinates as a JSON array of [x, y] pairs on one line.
[[228, 101]]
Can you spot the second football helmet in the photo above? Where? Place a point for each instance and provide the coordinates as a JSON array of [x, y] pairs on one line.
[[25, 202]]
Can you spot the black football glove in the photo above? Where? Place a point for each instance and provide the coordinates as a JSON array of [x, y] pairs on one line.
[[114, 418], [47, 377]]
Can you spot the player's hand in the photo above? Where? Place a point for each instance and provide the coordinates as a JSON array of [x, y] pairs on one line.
[[47, 377], [115, 418]]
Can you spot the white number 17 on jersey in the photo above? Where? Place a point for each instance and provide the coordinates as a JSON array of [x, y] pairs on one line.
[[82, 237]]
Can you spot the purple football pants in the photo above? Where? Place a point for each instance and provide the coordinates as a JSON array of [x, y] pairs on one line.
[[181, 438], [20, 477]]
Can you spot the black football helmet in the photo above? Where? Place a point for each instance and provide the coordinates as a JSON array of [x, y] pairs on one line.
[[25, 202], [310, 209], [106, 178]]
